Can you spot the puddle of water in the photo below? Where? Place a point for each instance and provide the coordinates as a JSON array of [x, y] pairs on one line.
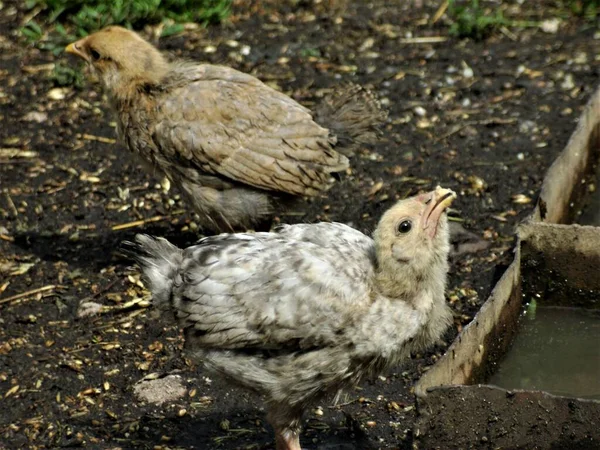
[[556, 350], [591, 212]]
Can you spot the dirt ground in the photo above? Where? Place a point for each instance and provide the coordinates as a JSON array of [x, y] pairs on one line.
[[483, 118]]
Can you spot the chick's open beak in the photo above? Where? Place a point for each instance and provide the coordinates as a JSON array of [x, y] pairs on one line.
[[75, 48], [439, 201]]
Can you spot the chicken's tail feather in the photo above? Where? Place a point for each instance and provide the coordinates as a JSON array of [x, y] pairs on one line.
[[159, 261], [354, 114]]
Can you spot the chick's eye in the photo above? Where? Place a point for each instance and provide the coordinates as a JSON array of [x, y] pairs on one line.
[[94, 54], [405, 226]]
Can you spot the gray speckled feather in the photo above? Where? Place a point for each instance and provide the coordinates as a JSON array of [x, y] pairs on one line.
[[297, 294], [303, 296], [307, 310]]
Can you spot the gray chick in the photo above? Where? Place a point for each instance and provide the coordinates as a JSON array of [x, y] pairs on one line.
[[234, 147], [310, 309]]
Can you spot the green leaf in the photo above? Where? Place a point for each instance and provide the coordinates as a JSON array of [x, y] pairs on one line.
[[171, 30], [64, 20]]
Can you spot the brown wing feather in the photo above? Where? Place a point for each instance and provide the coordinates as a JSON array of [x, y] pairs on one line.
[[233, 125]]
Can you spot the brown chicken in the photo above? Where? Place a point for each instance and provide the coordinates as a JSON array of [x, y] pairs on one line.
[[234, 147], [309, 309]]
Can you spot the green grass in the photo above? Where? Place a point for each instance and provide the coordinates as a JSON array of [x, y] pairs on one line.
[[589, 9], [470, 20], [65, 75], [58, 22], [310, 51]]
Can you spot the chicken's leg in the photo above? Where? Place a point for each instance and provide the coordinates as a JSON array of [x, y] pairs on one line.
[[286, 439], [285, 420]]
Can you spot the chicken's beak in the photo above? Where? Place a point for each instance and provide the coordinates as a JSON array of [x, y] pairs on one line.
[[75, 48], [439, 201]]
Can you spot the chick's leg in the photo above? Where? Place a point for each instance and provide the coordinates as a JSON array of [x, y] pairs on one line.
[[286, 423], [286, 439]]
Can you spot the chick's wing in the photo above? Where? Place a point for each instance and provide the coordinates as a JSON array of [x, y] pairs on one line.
[[230, 124], [266, 292]]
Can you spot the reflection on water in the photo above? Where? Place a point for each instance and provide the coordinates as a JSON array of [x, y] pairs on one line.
[[591, 214], [556, 350]]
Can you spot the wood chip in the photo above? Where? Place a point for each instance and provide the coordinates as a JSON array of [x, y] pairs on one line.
[[12, 390], [13, 153], [30, 293], [137, 223], [424, 40], [521, 199], [91, 137], [440, 12]]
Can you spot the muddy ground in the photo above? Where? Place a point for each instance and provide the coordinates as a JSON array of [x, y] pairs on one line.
[[483, 118]]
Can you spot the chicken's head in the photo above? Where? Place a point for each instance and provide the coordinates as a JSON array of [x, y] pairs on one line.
[[121, 58], [412, 236]]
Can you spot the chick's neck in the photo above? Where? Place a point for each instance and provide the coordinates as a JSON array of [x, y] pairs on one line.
[[405, 283], [424, 294], [129, 82]]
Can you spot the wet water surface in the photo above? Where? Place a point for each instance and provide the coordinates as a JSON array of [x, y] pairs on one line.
[[556, 350]]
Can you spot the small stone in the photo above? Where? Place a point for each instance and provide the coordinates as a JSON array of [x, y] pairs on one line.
[[467, 71], [35, 116], [160, 390], [568, 83], [57, 93], [550, 26], [165, 184], [527, 126], [420, 111]]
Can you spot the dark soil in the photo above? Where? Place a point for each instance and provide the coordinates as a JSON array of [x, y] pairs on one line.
[[65, 185], [509, 420]]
